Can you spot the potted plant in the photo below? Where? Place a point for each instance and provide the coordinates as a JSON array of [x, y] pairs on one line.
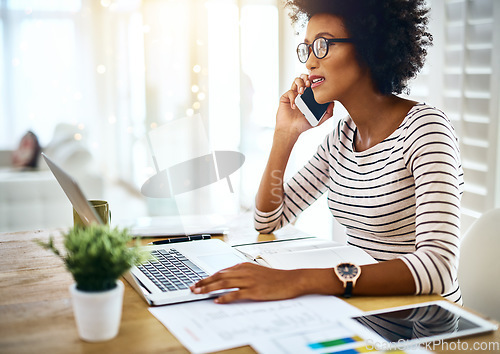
[[97, 256]]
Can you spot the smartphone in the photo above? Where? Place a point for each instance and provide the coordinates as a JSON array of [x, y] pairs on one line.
[[312, 110]]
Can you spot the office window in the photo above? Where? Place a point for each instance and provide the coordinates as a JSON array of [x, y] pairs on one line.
[[37, 5], [44, 76], [40, 68], [259, 61], [260, 91], [223, 60], [78, 63], [118, 69], [462, 77], [4, 131], [226, 71]]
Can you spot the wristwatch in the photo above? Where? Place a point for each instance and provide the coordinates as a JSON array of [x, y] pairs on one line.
[[348, 273]]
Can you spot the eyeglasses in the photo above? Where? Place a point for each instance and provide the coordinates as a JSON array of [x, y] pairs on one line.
[[319, 47]]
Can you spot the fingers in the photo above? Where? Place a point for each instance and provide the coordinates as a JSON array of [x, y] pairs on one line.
[[300, 83], [248, 281], [289, 98], [228, 278], [298, 86], [218, 284], [232, 297]]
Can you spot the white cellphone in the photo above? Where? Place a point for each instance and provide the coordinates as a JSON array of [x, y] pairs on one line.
[[312, 110]]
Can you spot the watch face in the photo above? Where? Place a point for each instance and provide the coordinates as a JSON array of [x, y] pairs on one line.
[[347, 270]]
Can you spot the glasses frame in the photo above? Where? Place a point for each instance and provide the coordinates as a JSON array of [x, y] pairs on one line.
[[328, 42]]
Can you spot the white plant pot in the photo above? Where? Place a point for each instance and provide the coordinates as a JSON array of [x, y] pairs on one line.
[[97, 314]]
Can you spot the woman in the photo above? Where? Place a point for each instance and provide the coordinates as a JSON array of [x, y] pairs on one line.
[[391, 168]]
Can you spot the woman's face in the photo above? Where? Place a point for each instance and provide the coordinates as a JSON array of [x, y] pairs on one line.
[[336, 76]]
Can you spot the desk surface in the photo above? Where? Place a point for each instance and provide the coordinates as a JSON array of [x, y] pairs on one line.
[[36, 313]]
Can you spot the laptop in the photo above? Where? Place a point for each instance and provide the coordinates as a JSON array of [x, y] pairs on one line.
[[166, 278]]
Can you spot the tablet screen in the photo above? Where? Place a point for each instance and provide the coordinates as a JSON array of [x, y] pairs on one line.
[[418, 323]]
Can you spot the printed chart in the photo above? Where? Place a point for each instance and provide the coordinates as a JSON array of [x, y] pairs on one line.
[[334, 339]]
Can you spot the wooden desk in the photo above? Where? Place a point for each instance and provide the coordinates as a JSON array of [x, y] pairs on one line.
[[36, 314]]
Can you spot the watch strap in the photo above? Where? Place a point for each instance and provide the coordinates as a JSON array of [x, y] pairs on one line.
[[348, 289]]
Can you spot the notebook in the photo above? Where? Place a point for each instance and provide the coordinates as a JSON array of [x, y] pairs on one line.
[[166, 278]]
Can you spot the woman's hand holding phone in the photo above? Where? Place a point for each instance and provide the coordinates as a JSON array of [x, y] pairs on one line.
[[312, 110], [298, 111], [290, 123]]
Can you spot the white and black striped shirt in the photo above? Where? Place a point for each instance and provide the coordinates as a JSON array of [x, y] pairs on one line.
[[398, 199]]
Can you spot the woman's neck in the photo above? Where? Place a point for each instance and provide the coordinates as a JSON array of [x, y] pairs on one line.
[[376, 117]]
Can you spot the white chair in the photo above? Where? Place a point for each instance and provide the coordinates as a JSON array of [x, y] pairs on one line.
[[479, 265]]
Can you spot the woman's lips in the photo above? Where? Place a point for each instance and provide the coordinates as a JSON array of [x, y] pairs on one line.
[[316, 80]]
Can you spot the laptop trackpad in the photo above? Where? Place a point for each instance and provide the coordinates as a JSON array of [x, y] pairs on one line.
[[217, 262]]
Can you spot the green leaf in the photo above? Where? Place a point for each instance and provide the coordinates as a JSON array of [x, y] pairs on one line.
[[97, 255]]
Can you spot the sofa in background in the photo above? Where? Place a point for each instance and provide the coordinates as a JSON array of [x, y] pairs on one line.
[[32, 199]]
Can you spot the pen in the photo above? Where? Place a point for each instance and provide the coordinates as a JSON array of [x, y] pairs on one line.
[[155, 233], [182, 239], [273, 241]]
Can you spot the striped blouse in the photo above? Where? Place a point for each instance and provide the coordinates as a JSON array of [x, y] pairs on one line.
[[398, 199]]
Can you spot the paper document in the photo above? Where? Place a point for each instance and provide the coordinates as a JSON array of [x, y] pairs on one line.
[[318, 258], [258, 249], [204, 326], [305, 253], [336, 338]]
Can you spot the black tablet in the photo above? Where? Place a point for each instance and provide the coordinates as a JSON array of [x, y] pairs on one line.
[[410, 326]]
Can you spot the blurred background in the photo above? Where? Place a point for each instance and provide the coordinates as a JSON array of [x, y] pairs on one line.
[[91, 78]]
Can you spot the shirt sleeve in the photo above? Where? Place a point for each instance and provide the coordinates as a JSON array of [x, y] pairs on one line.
[[303, 189], [432, 156]]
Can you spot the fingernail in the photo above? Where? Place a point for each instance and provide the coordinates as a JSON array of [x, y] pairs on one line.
[[217, 300], [197, 290]]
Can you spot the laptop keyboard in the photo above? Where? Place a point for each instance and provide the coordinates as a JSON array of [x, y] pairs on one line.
[[171, 270]]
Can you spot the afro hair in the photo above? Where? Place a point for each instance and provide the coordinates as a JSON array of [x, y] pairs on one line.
[[390, 36]]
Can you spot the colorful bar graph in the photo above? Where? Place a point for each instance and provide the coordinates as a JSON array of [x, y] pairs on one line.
[[334, 342], [347, 340], [366, 350]]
